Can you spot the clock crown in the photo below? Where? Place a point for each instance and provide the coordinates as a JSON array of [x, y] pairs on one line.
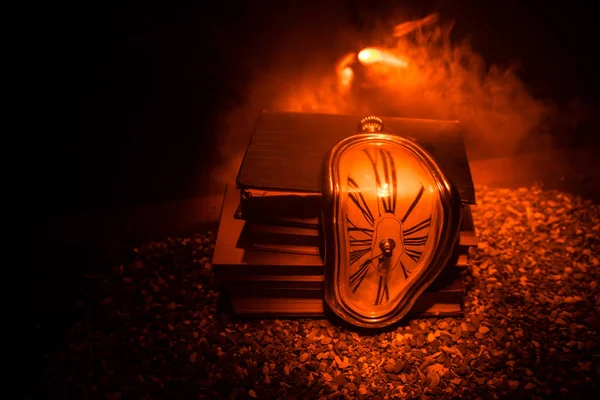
[[370, 124]]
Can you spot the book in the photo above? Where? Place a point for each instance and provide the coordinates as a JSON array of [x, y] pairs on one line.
[[260, 275], [280, 176]]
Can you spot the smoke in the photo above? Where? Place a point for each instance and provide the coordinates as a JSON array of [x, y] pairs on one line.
[[299, 71]]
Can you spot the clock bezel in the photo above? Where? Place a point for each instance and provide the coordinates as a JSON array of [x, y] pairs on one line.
[[451, 218]]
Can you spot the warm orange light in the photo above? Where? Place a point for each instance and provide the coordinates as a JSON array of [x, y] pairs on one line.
[[383, 191], [346, 76], [414, 70], [411, 26], [371, 56]]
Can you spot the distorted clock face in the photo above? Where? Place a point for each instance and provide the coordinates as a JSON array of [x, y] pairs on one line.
[[389, 216]]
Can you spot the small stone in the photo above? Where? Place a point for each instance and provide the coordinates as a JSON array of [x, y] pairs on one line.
[[303, 357], [560, 321], [593, 285], [513, 385], [252, 393], [435, 381], [362, 390], [340, 380], [430, 337], [568, 270], [399, 366], [389, 367], [341, 346], [529, 386], [326, 340], [573, 299], [483, 329], [327, 377]]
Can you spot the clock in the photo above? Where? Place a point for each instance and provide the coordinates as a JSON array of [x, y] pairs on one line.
[[366, 223], [391, 219]]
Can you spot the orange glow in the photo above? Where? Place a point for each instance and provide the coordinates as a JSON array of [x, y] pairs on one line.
[[371, 56], [410, 69], [383, 191], [411, 26], [345, 73]]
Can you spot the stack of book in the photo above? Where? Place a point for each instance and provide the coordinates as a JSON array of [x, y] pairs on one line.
[[277, 268], [269, 254]]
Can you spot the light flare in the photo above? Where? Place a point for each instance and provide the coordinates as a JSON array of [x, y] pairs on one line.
[[383, 191], [372, 55]]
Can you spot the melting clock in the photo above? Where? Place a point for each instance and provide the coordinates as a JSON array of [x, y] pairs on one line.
[[391, 220]]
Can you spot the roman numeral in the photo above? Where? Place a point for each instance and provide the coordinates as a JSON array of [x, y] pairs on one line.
[[357, 198], [405, 270], [418, 227], [357, 277], [357, 254], [382, 291], [413, 254], [416, 241], [354, 228], [360, 242], [414, 203], [389, 172]]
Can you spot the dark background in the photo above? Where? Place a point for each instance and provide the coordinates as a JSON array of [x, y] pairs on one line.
[[145, 83], [131, 96]]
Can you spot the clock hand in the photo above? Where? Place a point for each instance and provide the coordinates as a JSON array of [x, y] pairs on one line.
[[377, 256], [357, 277], [382, 291]]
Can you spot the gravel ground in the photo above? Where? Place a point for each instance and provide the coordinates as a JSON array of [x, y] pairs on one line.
[[149, 328]]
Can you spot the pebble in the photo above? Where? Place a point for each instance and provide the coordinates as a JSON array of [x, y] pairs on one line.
[[399, 366], [522, 331], [326, 340], [573, 299], [430, 337]]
